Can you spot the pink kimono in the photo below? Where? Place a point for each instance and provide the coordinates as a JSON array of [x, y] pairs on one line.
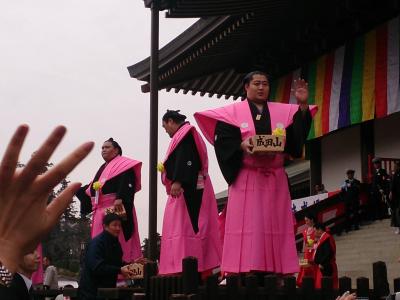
[[131, 248], [178, 237], [37, 276], [259, 234]]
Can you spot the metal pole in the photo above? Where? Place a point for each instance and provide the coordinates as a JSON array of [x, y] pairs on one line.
[[153, 132]]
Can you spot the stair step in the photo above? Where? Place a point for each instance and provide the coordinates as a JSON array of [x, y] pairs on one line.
[[357, 250]]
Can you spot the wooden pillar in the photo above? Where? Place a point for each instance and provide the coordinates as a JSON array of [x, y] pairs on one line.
[[381, 284], [154, 123], [314, 155], [367, 147], [190, 275]]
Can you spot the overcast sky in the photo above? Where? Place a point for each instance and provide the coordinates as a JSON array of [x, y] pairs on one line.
[[64, 62]]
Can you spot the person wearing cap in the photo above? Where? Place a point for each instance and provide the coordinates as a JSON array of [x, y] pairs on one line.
[[379, 190], [103, 260], [190, 224], [259, 235], [351, 196], [394, 197]]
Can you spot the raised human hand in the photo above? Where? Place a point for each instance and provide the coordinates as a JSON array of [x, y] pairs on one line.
[[25, 217], [300, 91]]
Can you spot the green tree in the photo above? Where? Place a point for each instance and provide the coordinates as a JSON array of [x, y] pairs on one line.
[[64, 242], [145, 247]]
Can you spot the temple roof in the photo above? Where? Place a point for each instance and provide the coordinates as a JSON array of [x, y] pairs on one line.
[[213, 54]]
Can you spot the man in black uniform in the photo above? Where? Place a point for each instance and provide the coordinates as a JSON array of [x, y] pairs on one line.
[[379, 188], [351, 196], [394, 197]]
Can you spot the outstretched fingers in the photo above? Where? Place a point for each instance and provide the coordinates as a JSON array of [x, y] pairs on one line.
[[300, 83], [39, 160], [60, 171], [10, 158], [57, 207]]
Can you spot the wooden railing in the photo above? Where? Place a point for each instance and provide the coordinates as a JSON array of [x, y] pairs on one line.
[[252, 287], [264, 287]]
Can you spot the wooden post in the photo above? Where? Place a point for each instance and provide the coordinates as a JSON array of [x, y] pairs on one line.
[[315, 163], [232, 286], [396, 285], [180, 285], [212, 288], [152, 294], [150, 270], [308, 288], [170, 285], [381, 284], [344, 285], [157, 295], [164, 288], [177, 284], [251, 287], [367, 147], [362, 287], [290, 287], [327, 288], [154, 123], [270, 286], [190, 275]]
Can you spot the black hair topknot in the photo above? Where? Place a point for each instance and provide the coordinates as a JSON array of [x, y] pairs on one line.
[[174, 115], [115, 145]]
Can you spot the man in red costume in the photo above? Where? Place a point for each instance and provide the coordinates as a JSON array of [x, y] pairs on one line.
[[325, 256]]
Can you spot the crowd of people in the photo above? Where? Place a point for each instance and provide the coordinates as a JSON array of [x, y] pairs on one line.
[[258, 231], [255, 238], [383, 196], [319, 250]]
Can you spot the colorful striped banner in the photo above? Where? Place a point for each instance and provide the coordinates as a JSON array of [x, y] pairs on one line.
[[393, 67], [326, 101], [311, 74], [353, 84], [368, 92], [335, 90]]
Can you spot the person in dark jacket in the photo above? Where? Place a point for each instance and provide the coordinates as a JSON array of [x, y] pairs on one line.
[[351, 196], [394, 198], [21, 285], [103, 260], [379, 190]]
